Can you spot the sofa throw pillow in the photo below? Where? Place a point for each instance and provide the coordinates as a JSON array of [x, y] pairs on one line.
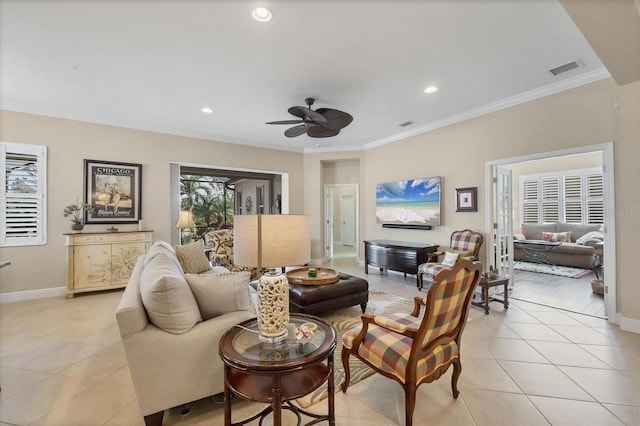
[[167, 297], [461, 254], [218, 294], [561, 237], [162, 247], [192, 258], [450, 258]]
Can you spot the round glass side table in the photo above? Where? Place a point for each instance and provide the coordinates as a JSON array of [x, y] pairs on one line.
[[276, 373]]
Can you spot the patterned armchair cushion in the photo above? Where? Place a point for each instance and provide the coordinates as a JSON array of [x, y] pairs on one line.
[[431, 269], [466, 241], [220, 242], [390, 351], [447, 311]]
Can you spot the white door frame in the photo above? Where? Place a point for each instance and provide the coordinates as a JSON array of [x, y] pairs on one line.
[[609, 207], [328, 218], [503, 222]]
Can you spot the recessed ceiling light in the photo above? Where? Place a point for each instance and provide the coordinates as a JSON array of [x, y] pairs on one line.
[[431, 89], [261, 14], [206, 110]]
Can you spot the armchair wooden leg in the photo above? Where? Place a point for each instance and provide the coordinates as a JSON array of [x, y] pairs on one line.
[[457, 369], [409, 402], [419, 281], [154, 419], [347, 372]]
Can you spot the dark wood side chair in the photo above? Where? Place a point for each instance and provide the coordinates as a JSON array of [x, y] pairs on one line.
[[411, 350]]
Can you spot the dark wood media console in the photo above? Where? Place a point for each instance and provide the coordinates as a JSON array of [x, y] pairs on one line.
[[398, 256]]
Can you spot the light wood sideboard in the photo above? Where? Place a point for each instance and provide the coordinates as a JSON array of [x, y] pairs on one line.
[[103, 260]]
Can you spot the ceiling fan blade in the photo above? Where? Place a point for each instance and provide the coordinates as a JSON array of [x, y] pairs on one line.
[[285, 122], [318, 131], [335, 119], [307, 114], [298, 111], [292, 132]]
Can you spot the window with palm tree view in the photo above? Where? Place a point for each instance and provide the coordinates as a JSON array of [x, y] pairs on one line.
[[215, 196]]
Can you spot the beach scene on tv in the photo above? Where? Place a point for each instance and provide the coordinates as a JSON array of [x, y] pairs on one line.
[[409, 202]]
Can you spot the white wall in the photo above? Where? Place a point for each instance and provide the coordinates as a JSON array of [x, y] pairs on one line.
[[70, 142], [583, 116]]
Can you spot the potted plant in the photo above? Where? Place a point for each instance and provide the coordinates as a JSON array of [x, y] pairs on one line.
[[75, 213]]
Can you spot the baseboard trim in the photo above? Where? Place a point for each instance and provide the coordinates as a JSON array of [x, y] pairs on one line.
[[20, 296], [630, 324]]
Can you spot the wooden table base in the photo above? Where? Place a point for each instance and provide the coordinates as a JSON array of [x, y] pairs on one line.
[[485, 284]]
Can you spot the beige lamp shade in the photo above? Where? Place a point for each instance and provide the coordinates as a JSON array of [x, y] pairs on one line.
[[185, 220], [271, 240]]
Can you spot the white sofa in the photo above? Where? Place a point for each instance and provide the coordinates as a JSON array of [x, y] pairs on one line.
[[175, 367]]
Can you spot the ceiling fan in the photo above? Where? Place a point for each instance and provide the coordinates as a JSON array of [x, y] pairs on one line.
[[321, 123]]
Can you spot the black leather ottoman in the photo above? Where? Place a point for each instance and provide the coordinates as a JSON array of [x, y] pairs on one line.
[[321, 299]]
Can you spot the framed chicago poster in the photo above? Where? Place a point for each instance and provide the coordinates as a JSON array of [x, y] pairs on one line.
[[113, 191]]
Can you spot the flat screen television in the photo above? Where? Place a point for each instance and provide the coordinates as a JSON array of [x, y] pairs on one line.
[[409, 202]]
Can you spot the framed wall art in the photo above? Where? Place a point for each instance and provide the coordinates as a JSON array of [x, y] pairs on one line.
[[467, 199], [113, 190]]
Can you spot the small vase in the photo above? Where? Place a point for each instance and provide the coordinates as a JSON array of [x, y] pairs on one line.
[[77, 226]]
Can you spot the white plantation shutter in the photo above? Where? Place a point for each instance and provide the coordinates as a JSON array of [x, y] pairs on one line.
[[550, 200], [529, 202], [574, 196], [23, 204], [595, 198]]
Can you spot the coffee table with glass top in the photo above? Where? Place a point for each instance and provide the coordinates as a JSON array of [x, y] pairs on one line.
[[276, 373], [537, 251]]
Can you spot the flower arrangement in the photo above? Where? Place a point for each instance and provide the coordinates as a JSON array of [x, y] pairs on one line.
[[304, 331], [75, 212]]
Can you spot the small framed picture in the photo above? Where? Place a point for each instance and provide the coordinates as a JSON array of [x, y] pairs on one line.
[[113, 191], [467, 199]]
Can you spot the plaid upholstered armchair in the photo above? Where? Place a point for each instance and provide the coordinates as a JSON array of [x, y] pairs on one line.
[[411, 350], [220, 245], [465, 244]]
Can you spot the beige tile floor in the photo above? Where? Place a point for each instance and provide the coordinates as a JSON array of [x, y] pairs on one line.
[[62, 363]]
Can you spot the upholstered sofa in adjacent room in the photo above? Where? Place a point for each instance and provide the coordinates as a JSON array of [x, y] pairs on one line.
[[171, 323], [577, 243]]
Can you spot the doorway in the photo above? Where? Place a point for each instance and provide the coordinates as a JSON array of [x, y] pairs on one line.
[[275, 201], [520, 281], [341, 221]]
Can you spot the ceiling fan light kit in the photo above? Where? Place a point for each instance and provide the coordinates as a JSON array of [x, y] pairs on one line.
[[321, 123]]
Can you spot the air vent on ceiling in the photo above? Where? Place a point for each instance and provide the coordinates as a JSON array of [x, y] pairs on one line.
[[566, 67], [405, 124]]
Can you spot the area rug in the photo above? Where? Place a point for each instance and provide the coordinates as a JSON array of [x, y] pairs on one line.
[[562, 271], [379, 303]]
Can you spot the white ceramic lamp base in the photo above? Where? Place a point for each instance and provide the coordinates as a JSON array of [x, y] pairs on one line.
[[273, 307]]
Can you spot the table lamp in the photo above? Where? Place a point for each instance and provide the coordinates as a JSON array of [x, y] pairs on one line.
[[185, 221], [272, 241]]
